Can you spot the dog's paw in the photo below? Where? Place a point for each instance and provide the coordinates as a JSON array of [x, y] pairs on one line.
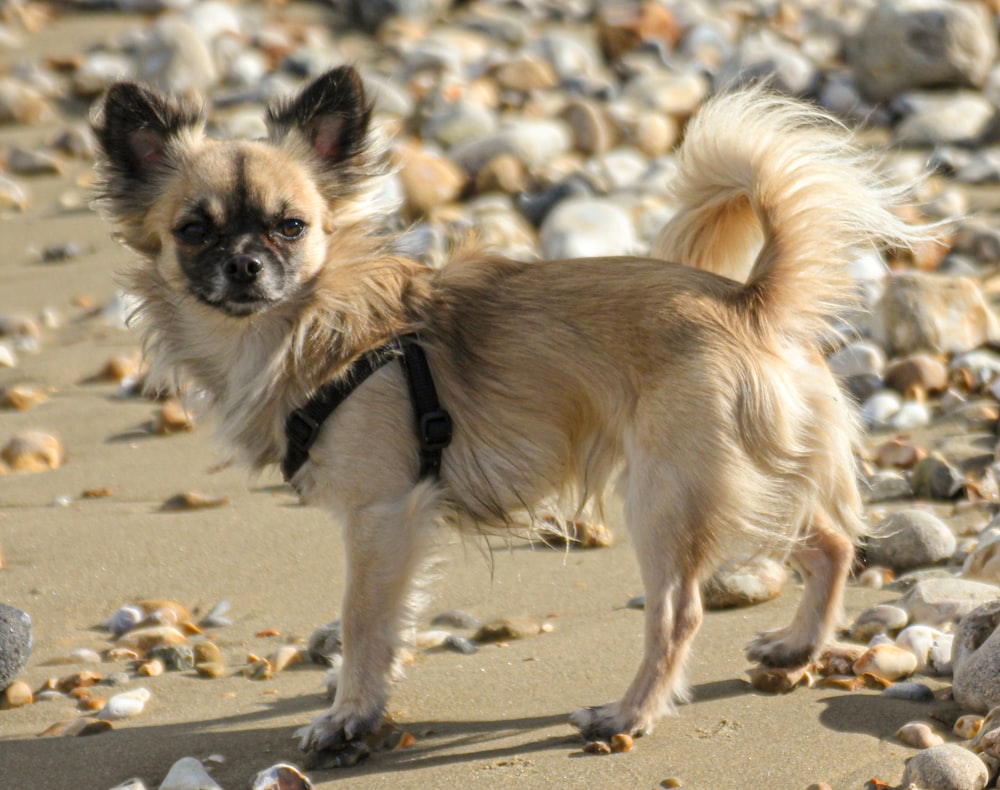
[[780, 648], [603, 722], [337, 739]]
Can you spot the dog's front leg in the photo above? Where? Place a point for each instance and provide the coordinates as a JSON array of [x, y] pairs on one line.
[[387, 545]]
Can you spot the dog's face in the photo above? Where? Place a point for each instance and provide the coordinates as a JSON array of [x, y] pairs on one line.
[[238, 225]]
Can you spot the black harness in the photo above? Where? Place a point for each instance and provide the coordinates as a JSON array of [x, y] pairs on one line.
[[433, 424]]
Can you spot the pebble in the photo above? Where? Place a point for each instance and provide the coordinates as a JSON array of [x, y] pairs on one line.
[[960, 118], [911, 538], [460, 644], [879, 619], [946, 767], [188, 774], [172, 417], [968, 726], [915, 692], [124, 619], [921, 373], [586, 227], [744, 581], [919, 734], [33, 451], [976, 659], [16, 641], [193, 500], [16, 695], [174, 657], [935, 477], [125, 705], [983, 563]]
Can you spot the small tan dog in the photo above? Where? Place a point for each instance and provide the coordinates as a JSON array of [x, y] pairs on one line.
[[263, 278]]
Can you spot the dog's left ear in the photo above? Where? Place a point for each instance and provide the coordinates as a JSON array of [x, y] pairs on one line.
[[332, 113]]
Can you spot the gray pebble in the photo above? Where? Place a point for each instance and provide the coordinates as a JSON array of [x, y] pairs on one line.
[[174, 657], [916, 692], [946, 767], [911, 538], [935, 601], [15, 643], [976, 659], [461, 644]]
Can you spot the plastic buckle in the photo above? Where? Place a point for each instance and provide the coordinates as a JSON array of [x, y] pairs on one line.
[[302, 428], [435, 430]]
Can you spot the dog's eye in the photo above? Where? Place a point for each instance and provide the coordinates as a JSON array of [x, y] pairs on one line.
[[193, 232], [291, 228]]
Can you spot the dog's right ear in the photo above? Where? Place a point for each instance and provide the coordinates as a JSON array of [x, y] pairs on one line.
[[134, 126]]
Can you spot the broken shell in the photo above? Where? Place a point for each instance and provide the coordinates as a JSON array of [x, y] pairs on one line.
[[622, 742], [12, 195], [282, 776], [81, 679], [579, 534], [121, 367], [888, 662], [968, 726], [857, 683], [16, 695], [215, 618], [172, 418], [124, 619], [259, 669], [838, 658], [919, 734], [597, 747], [779, 680], [188, 774], [192, 500], [284, 657], [33, 451], [20, 397], [125, 705]]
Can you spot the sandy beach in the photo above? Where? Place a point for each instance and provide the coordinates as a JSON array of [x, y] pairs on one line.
[[497, 718]]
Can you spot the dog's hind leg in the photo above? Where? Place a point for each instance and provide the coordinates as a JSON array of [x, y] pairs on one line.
[[670, 560], [824, 559], [387, 546]]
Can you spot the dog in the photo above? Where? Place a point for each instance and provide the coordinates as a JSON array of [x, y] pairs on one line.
[[697, 387]]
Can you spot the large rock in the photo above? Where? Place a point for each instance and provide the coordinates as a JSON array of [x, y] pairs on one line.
[[935, 601], [15, 643], [905, 44], [927, 312], [910, 539], [945, 767], [975, 658]]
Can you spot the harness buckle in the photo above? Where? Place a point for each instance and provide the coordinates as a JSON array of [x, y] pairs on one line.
[[435, 430], [302, 428]]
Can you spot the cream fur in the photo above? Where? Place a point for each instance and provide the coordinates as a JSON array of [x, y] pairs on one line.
[[702, 396]]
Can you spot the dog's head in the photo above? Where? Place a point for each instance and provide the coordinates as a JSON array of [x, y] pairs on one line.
[[238, 225]]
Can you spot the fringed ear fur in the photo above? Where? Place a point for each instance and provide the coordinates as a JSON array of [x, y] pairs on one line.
[[332, 113], [134, 126]]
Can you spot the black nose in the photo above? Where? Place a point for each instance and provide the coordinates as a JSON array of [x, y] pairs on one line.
[[242, 269]]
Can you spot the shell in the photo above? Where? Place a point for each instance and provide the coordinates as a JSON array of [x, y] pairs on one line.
[[282, 776], [284, 657], [125, 705], [16, 695], [919, 734], [215, 617], [21, 397], [152, 668], [210, 669], [429, 639], [172, 418], [82, 679], [124, 619], [144, 639], [918, 639], [778, 680], [597, 747], [86, 725], [192, 500], [622, 742], [33, 451], [188, 774], [888, 662]]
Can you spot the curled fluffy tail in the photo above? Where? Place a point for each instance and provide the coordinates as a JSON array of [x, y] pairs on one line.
[[766, 174]]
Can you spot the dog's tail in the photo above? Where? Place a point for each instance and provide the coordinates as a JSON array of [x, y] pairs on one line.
[[759, 172]]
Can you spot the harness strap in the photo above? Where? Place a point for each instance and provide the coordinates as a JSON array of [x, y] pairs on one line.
[[433, 424]]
